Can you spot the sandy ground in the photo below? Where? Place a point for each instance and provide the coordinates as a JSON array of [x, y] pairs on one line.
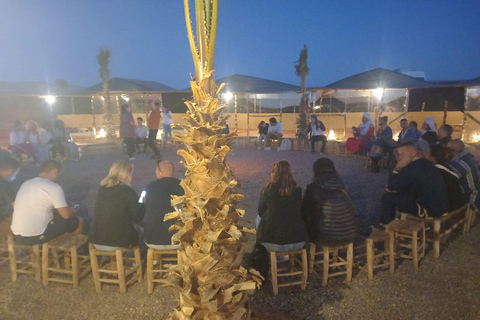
[[444, 288]]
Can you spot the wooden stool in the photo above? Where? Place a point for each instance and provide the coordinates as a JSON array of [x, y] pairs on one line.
[[331, 147], [30, 264], [4, 232], [68, 246], [409, 234], [160, 256], [334, 262], [444, 225], [289, 271], [384, 258], [115, 271]]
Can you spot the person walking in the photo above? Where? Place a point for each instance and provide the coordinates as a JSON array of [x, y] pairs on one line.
[[127, 130], [153, 122]]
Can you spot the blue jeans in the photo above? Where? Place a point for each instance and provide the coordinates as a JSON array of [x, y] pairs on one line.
[[167, 131], [284, 247], [262, 137]]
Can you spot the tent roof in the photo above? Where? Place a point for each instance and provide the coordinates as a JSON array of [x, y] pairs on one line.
[[247, 84], [40, 88], [379, 78], [130, 85]]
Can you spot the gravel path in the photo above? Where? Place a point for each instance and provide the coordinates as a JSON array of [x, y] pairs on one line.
[[444, 288]]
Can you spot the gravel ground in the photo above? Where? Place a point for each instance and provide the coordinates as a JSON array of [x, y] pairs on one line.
[[444, 288]]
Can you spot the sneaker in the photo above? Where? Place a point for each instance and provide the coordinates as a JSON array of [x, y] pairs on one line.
[[131, 159], [268, 149]]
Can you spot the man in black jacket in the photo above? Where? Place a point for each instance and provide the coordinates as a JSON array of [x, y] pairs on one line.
[[158, 195], [415, 186]]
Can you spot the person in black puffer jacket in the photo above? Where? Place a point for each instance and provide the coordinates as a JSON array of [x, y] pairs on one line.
[[330, 215]]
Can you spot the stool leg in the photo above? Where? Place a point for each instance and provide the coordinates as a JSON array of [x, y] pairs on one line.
[[350, 262], [273, 269], [55, 258], [304, 269], [121, 271], [391, 251], [415, 249], [138, 262], [370, 259], [291, 264], [45, 261], [73, 254], [36, 263], [94, 264], [13, 259], [436, 238], [326, 260], [150, 271], [312, 257]]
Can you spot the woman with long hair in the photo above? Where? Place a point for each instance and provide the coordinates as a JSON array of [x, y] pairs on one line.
[[116, 210], [329, 213], [281, 227], [316, 128], [127, 130]]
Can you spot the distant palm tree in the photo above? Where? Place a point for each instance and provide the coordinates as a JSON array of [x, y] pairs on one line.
[[302, 70], [103, 59]]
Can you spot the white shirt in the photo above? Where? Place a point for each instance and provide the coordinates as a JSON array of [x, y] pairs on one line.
[[33, 138], [141, 131], [34, 205], [316, 132], [167, 117], [45, 136], [277, 127], [17, 137]]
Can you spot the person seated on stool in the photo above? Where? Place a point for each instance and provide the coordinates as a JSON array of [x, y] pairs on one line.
[[141, 133], [158, 195], [329, 214], [34, 221], [8, 171], [361, 135], [274, 132], [281, 227], [317, 132], [415, 186], [444, 134], [117, 209], [383, 137], [262, 133]]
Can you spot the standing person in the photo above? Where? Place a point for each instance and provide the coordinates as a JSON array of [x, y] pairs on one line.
[[167, 123], [465, 166], [330, 215], [361, 135], [445, 134], [275, 131], [18, 144], [415, 187], [34, 221], [127, 130], [281, 227], [317, 132], [158, 196], [262, 133], [116, 210], [141, 132], [153, 122]]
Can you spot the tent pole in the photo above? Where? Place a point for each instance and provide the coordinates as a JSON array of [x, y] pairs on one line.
[[281, 107], [345, 119], [464, 121], [255, 104], [405, 106], [248, 116], [93, 114], [236, 118], [73, 105], [445, 110]]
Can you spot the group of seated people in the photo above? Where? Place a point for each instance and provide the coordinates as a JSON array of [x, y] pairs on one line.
[[39, 212], [37, 143]]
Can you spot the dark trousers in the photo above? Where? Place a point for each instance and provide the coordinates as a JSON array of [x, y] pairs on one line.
[[152, 136], [55, 228], [130, 144], [314, 139], [58, 147], [393, 201]]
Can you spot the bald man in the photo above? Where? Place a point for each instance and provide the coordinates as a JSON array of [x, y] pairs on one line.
[[415, 186], [464, 165], [158, 195]]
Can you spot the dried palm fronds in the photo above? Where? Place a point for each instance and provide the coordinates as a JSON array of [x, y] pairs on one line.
[[210, 279]]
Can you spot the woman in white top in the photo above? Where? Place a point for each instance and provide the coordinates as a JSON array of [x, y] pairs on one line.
[[316, 130], [18, 144], [167, 123]]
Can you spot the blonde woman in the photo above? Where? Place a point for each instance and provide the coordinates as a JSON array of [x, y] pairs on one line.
[[116, 210]]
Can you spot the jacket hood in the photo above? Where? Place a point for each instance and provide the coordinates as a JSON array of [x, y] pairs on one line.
[[329, 180]]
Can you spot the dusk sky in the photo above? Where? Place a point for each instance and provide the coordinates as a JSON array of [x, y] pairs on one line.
[[48, 40]]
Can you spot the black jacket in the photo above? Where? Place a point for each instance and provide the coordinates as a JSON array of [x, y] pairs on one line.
[[157, 201], [422, 182], [116, 210], [281, 218], [330, 215], [452, 184], [319, 125]]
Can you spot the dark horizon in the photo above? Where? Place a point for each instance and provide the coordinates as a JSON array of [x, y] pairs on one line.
[[55, 40]]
